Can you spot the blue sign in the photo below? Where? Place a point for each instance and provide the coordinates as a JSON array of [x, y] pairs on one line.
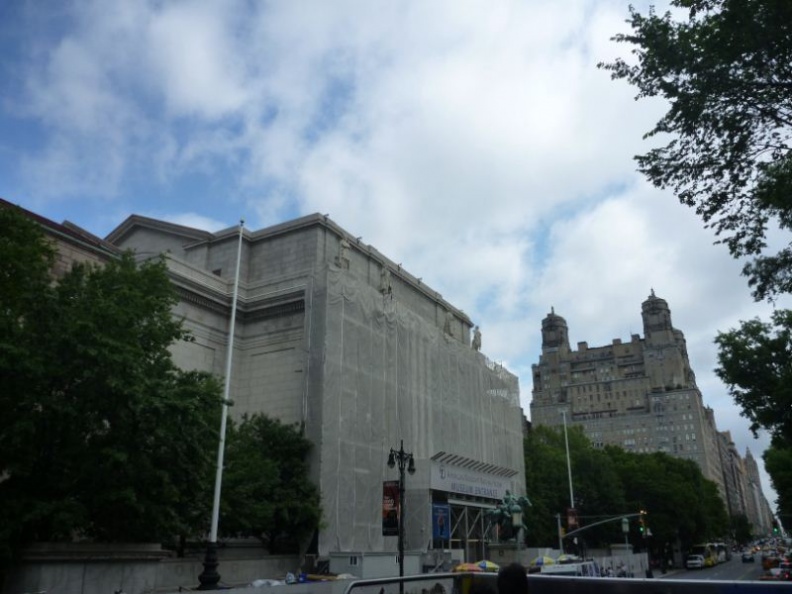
[[441, 521]]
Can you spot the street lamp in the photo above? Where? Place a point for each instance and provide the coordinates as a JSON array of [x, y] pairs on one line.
[[405, 461], [209, 578], [569, 463]]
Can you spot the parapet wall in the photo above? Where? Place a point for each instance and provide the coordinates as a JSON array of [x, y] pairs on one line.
[[57, 568]]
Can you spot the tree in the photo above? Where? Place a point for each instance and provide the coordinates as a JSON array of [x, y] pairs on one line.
[[778, 463], [755, 362], [741, 529], [726, 72], [609, 483], [596, 486], [267, 493], [680, 502], [102, 435]]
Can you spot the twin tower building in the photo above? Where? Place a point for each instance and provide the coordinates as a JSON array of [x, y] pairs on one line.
[[642, 396]]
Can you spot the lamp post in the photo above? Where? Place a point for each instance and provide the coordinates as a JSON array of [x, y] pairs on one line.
[[209, 577], [405, 461], [569, 463]]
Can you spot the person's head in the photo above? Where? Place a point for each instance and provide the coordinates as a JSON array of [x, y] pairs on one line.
[[513, 579]]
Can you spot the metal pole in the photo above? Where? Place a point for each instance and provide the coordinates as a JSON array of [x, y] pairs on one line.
[[401, 515], [569, 463], [560, 536], [209, 578], [406, 462], [626, 530]]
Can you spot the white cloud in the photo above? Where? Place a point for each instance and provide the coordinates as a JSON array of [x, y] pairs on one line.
[[194, 220], [192, 49]]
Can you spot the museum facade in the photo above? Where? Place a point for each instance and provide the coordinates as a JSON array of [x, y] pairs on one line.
[[336, 338]]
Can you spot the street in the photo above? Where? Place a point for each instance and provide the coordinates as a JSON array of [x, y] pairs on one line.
[[734, 570]]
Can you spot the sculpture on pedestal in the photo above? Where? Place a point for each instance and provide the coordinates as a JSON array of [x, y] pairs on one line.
[[507, 516]]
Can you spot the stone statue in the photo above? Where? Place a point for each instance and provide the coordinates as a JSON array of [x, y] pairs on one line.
[[449, 317], [476, 338], [504, 514], [343, 253], [385, 281]]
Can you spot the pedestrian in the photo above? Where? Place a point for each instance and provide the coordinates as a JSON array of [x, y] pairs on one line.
[[513, 579]]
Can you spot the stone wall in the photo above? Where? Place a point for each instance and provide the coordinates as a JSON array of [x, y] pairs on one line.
[[59, 568]]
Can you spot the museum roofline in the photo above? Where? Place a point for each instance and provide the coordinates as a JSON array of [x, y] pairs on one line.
[[196, 237], [67, 231]]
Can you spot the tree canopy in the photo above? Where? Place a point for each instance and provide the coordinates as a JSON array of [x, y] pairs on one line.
[[610, 483], [267, 491], [755, 362], [726, 72], [101, 436], [778, 463]]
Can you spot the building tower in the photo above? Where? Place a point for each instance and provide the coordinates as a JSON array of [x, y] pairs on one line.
[[640, 395]]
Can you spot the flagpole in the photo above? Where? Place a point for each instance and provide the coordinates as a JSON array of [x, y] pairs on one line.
[[210, 578]]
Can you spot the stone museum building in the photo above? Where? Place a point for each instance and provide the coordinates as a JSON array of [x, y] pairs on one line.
[[333, 336]]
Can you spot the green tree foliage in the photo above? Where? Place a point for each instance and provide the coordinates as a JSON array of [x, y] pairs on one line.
[[726, 72], [755, 362], [267, 493], [596, 486], [741, 529], [101, 435], [680, 502], [609, 483], [778, 463], [26, 259]]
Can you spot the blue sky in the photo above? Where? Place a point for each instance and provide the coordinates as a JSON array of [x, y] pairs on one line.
[[476, 143]]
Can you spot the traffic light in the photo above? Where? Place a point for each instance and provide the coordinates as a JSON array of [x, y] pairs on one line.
[[642, 523]]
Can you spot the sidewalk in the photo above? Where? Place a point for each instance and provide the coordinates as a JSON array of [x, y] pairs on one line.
[[659, 574]]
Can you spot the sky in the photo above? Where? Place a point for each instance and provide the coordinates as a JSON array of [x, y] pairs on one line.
[[475, 142]]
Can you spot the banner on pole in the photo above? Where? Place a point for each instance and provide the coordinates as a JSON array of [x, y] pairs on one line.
[[572, 519], [441, 521], [390, 508]]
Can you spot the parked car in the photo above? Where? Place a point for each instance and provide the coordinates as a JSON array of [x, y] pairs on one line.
[[694, 562], [785, 571], [748, 556], [770, 560]]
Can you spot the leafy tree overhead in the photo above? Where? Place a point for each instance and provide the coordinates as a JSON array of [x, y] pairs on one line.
[[26, 259], [102, 436], [755, 362], [778, 463], [267, 493], [726, 72], [725, 68]]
